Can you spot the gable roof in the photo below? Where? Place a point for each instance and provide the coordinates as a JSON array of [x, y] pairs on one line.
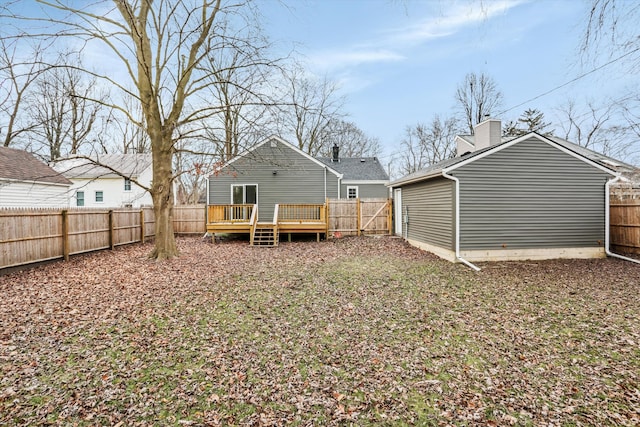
[[597, 160], [130, 165], [22, 166], [279, 141], [357, 168]]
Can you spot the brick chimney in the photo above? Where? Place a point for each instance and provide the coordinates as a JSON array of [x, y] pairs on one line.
[[336, 153], [487, 133]]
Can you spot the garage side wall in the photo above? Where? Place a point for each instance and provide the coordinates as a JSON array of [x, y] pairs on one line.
[[531, 196], [430, 206]]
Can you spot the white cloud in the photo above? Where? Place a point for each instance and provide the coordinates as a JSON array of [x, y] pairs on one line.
[[450, 22], [337, 59]]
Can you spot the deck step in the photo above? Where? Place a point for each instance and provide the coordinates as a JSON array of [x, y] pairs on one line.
[[265, 236]]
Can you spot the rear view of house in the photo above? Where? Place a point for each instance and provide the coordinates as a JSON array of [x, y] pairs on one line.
[[27, 182], [530, 197]]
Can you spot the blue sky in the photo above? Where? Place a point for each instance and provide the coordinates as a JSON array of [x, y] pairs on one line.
[[399, 62]]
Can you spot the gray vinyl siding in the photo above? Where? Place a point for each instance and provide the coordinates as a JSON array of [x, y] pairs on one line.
[[367, 191], [431, 210], [297, 179], [531, 195]]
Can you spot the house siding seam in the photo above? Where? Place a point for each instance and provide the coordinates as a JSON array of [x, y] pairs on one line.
[[431, 209], [297, 179], [529, 196]]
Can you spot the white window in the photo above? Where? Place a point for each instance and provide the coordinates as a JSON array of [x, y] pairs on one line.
[[79, 198], [99, 197], [127, 184], [352, 192]]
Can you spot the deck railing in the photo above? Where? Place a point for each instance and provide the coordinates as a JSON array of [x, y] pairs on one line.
[[230, 213], [301, 212]]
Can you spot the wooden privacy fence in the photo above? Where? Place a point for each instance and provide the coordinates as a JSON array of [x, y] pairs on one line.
[[353, 217], [33, 235], [625, 222]]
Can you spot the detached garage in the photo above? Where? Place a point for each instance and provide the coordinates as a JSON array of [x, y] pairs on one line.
[[530, 197]]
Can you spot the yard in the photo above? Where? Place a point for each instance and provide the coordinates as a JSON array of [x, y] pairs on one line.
[[353, 331]]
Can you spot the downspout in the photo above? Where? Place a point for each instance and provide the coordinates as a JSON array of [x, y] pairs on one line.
[[325, 183], [607, 220], [458, 257]]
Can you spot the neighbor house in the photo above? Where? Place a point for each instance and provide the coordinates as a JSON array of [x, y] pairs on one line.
[[527, 197], [276, 172], [25, 181], [108, 180]]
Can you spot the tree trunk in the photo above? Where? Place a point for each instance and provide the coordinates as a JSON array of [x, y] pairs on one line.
[[162, 193]]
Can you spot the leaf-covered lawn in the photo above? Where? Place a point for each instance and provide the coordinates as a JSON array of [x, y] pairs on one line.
[[356, 331]]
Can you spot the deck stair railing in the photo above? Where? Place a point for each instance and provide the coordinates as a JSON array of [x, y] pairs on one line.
[[264, 234]]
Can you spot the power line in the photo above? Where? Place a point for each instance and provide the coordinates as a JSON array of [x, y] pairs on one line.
[[572, 80]]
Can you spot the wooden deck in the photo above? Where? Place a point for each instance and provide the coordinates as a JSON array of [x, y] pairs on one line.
[[287, 219]]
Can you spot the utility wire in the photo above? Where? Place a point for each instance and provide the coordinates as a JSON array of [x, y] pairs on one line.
[[572, 80]]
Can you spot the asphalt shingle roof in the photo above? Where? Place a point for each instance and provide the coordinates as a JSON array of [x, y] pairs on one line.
[[130, 165], [23, 166], [436, 169], [357, 168]]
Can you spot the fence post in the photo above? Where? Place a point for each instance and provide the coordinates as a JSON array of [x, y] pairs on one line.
[[111, 229], [390, 216], [141, 225], [358, 212], [65, 234]]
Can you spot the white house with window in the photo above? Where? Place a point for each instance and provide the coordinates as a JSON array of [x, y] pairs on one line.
[[110, 180]]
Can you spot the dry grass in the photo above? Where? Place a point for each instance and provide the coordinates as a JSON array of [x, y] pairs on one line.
[[356, 331]]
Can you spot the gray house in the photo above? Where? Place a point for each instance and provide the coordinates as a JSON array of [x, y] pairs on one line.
[[276, 172], [528, 197]]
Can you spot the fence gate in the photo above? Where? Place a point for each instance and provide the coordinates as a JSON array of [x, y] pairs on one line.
[[352, 217]]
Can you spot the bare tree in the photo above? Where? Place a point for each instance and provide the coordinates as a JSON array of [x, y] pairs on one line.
[[352, 140], [240, 83], [424, 145], [17, 76], [314, 105], [162, 48], [477, 97], [597, 128], [65, 110], [611, 30]]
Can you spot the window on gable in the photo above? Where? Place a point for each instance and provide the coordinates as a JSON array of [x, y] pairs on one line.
[[79, 198], [352, 192], [127, 184], [99, 197]]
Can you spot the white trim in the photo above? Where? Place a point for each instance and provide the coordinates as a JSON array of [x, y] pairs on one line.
[[364, 182], [95, 196], [286, 144], [541, 138], [244, 192], [349, 187], [397, 211]]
